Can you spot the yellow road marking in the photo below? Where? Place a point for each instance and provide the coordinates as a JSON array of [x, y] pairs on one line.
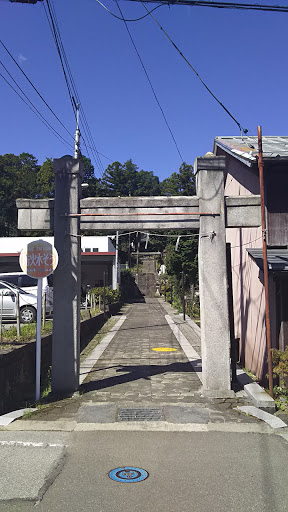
[[164, 349]]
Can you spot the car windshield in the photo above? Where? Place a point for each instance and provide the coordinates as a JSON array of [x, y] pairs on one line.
[[10, 285]]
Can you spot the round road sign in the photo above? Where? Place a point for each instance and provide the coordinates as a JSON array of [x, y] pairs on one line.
[[38, 259]]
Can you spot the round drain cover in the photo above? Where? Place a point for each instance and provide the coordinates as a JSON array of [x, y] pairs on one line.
[[129, 474], [164, 349]]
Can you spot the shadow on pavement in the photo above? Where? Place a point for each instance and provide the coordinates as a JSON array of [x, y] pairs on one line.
[[136, 373]]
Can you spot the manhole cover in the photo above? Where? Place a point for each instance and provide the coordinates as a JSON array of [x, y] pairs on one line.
[[140, 414], [128, 474], [164, 349]]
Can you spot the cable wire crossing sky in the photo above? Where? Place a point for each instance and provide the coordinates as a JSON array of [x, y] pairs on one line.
[[138, 98]]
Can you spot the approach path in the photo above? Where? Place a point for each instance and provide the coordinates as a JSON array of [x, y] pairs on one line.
[[130, 369], [130, 381]]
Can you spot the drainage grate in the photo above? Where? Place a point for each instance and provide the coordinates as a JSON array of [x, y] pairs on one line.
[[140, 414]]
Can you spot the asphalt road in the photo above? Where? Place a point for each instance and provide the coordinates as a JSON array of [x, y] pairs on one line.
[[188, 471]]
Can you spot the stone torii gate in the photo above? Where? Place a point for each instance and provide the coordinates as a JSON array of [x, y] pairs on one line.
[[209, 212]]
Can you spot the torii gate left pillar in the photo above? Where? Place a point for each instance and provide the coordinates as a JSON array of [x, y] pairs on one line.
[[67, 278]]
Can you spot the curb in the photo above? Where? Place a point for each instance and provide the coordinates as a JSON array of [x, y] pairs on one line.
[[258, 395]]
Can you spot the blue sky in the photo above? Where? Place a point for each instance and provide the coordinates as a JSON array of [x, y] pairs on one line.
[[242, 56]]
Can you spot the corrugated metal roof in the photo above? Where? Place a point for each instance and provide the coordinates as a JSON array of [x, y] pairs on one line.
[[277, 259], [246, 148]]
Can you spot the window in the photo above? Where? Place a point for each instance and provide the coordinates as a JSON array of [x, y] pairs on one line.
[[95, 249], [11, 279], [25, 281]]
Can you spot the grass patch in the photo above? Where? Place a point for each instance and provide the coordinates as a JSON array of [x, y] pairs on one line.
[[85, 314], [27, 333]]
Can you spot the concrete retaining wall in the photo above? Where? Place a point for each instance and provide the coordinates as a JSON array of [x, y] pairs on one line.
[[17, 364]]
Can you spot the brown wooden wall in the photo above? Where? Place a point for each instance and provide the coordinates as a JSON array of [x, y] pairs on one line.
[[276, 192]]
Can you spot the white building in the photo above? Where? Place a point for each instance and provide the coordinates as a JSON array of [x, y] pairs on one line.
[[98, 255]]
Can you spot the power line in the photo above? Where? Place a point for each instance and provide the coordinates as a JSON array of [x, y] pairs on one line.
[[241, 128], [101, 154], [35, 89], [38, 115], [54, 27], [32, 104], [121, 19], [247, 243], [150, 83], [91, 142], [53, 30], [86, 127], [70, 83], [53, 24], [223, 5]]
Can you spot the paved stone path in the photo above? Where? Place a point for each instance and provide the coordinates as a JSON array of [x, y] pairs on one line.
[[132, 382], [130, 369]]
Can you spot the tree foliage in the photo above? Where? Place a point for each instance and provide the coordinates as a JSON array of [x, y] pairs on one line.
[[185, 259], [18, 178], [45, 179], [94, 188], [125, 180], [181, 183], [22, 177]]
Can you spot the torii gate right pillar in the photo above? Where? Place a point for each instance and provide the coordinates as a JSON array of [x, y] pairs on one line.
[[215, 335]]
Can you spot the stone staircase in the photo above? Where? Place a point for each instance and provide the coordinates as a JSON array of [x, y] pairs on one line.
[[147, 276]]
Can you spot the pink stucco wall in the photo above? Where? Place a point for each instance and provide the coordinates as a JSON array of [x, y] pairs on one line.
[[247, 279]]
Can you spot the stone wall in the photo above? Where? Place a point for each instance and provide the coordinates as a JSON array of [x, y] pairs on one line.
[[17, 365]]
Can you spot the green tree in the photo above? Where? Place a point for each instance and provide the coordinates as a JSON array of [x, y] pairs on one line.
[[185, 259], [147, 184], [181, 183], [9, 165], [18, 179], [125, 180], [27, 176], [45, 179], [120, 179], [94, 188]]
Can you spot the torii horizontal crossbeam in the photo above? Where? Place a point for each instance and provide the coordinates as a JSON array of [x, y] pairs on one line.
[[139, 213]]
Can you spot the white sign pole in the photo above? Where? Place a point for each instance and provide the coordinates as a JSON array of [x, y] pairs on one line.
[[17, 314], [1, 316], [38, 259], [38, 339]]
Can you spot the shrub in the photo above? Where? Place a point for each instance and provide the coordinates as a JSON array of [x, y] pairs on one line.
[[110, 295], [280, 362], [193, 308]]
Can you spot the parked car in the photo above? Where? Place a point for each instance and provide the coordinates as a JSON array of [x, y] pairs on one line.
[[29, 284], [27, 303]]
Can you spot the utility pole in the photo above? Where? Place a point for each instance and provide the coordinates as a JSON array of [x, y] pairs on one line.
[[77, 134], [67, 278], [265, 263]]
